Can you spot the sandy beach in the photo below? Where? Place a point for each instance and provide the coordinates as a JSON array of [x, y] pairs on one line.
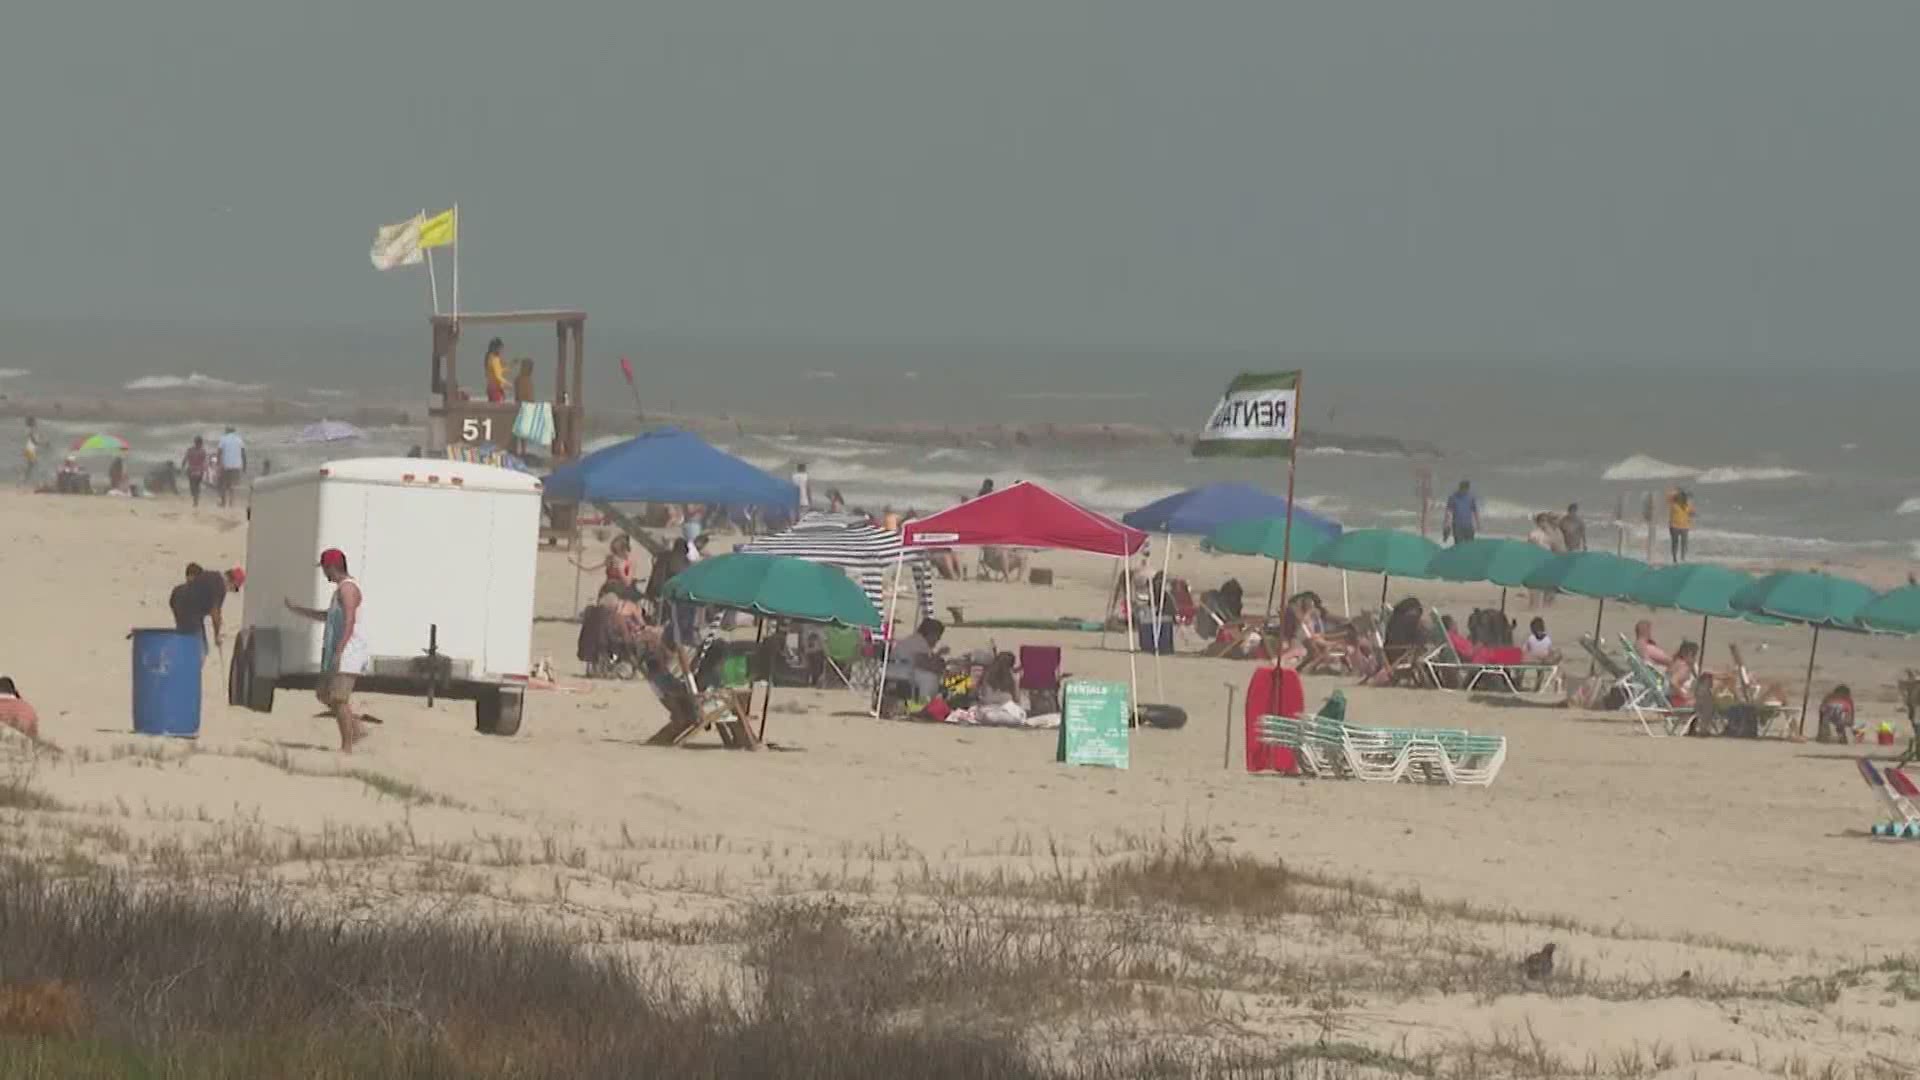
[[1712, 900]]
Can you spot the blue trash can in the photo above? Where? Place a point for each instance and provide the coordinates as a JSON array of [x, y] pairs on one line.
[[166, 682]]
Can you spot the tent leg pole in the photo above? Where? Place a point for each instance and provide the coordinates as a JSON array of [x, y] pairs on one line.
[[1806, 695], [1108, 616], [886, 633], [1133, 673]]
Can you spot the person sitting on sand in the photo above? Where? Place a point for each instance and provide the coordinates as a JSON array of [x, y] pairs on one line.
[[1837, 716], [71, 479], [1649, 649], [1008, 564], [15, 712], [1682, 673], [117, 473], [918, 658]]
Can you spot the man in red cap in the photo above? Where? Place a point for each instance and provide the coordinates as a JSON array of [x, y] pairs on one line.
[[201, 597], [343, 648]]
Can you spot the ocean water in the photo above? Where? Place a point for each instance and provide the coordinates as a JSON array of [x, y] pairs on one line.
[[1785, 462]]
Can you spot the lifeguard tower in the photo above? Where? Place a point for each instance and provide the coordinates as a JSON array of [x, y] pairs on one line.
[[460, 417]]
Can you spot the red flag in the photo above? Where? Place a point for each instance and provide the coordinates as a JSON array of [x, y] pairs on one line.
[[626, 368]]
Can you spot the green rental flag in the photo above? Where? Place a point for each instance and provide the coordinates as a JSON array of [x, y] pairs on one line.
[[1258, 416]]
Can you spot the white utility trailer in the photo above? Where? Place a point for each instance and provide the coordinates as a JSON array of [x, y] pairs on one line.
[[444, 552]]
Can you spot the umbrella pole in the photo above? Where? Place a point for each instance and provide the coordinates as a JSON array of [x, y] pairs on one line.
[[1503, 601], [1346, 600], [1383, 589], [1600, 613], [1807, 694], [1273, 585], [1704, 619], [766, 703]]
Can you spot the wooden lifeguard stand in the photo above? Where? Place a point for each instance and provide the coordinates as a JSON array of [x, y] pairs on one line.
[[456, 418]]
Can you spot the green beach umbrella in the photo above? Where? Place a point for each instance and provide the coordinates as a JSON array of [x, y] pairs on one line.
[[1505, 563], [1898, 612], [1601, 575], [775, 585], [1821, 601], [1701, 589], [1387, 552], [95, 444], [1267, 537]]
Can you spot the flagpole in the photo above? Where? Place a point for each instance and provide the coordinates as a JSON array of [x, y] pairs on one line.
[[456, 263], [1286, 541]]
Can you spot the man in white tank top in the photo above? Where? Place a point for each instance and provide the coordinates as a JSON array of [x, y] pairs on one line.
[[343, 648]]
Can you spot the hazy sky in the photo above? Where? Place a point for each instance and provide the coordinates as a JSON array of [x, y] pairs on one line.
[[1669, 177]]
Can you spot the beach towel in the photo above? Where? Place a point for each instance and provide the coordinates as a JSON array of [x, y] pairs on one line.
[[533, 424], [1262, 700]]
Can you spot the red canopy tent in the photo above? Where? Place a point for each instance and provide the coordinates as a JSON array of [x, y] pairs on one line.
[[1022, 515]]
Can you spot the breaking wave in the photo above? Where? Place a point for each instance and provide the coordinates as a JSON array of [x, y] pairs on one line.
[[1736, 475], [192, 381], [13, 373], [1642, 467], [1911, 506]]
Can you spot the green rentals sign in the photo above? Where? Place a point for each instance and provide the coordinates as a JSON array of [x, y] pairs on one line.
[[1093, 724]]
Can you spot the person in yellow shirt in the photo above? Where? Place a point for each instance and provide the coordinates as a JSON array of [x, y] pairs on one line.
[[1679, 522], [496, 372]]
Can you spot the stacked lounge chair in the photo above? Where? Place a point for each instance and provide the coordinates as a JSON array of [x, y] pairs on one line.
[[1326, 745]]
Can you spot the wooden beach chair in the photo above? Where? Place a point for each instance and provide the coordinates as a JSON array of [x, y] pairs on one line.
[[689, 711]]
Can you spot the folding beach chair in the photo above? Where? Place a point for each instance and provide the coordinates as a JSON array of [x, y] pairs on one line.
[[1902, 796], [1476, 675], [1040, 678], [1647, 697], [1443, 662]]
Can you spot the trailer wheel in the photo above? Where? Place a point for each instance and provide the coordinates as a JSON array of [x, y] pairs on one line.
[[497, 712], [245, 687]]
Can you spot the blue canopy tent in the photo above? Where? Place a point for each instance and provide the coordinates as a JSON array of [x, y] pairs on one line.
[[1205, 510], [665, 466], [669, 466]]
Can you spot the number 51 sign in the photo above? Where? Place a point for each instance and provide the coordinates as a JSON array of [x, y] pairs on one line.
[[476, 429]]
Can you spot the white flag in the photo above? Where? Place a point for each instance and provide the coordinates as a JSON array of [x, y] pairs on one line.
[[398, 245]]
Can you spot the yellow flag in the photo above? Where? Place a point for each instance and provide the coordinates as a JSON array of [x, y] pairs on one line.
[[437, 231]]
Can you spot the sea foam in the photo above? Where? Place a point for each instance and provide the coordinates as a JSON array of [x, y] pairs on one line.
[[1911, 506], [192, 381], [1643, 467], [1730, 474]]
